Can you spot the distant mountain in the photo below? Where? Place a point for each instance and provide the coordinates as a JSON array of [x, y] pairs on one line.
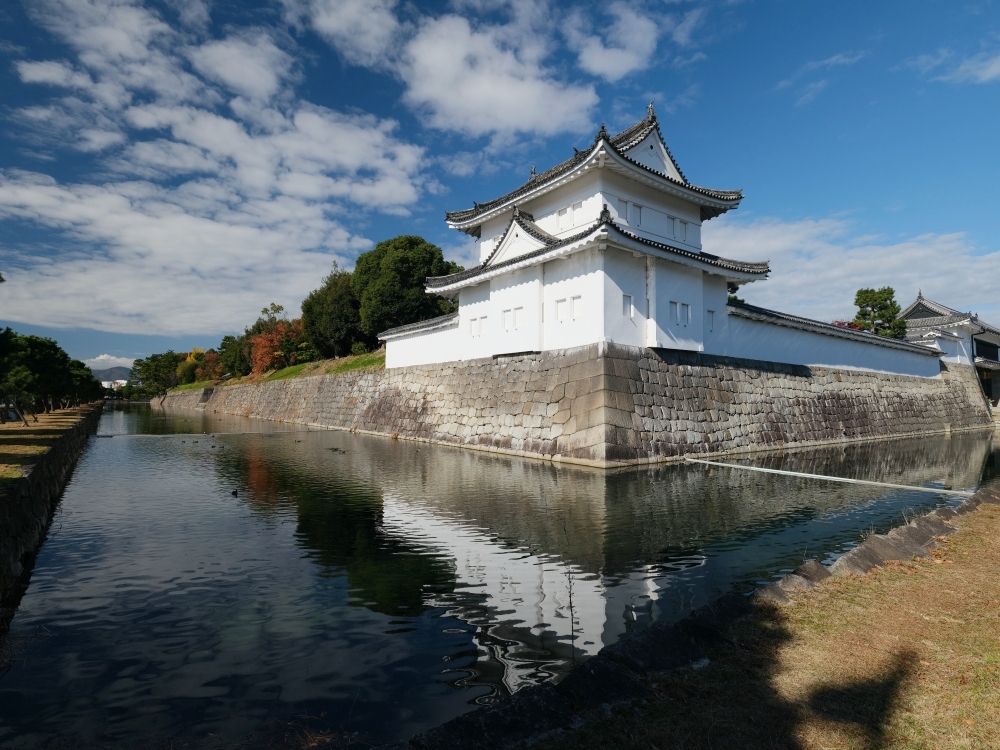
[[112, 373]]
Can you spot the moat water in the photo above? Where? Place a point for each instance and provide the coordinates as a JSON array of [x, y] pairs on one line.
[[206, 576]]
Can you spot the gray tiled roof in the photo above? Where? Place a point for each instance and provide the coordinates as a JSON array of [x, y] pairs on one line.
[[619, 143], [947, 316], [742, 309], [552, 243], [423, 325]]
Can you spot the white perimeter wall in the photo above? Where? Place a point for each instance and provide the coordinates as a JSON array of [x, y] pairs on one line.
[[751, 339], [579, 300]]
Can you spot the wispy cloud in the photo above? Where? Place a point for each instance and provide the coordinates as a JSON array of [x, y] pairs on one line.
[[810, 92], [841, 59], [946, 266], [981, 68], [926, 63]]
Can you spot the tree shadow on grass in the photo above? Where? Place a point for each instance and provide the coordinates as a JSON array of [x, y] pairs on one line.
[[866, 705], [734, 703]]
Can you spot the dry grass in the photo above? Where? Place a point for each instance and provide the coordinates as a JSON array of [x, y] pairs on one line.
[[20, 446], [907, 657]]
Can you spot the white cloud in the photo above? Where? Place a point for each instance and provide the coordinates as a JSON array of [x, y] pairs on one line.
[[927, 63], [473, 81], [841, 59], [810, 92], [684, 29], [252, 66], [208, 208], [106, 361], [631, 43], [363, 31], [818, 265], [981, 68]]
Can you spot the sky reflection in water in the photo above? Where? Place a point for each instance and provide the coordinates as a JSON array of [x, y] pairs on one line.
[[385, 586]]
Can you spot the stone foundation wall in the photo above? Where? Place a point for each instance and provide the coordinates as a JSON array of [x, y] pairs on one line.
[[26, 505], [608, 404]]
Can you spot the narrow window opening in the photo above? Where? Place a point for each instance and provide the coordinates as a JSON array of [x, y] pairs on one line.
[[576, 307], [627, 310], [685, 314], [561, 310], [673, 312], [518, 317], [710, 314], [564, 220], [508, 320], [577, 212], [635, 217]]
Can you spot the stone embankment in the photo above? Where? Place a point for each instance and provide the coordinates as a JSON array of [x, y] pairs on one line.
[[27, 503], [607, 404]]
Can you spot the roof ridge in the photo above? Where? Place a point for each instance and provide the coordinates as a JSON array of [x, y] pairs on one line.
[[643, 127]]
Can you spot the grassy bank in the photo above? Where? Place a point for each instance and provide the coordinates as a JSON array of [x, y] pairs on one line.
[[907, 657], [21, 446], [369, 362]]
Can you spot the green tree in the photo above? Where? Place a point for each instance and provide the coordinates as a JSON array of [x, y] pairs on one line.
[[331, 316], [234, 352], [878, 312], [389, 282], [157, 373], [37, 375]]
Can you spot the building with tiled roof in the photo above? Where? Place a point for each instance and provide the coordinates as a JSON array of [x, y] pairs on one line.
[[962, 337], [607, 247]]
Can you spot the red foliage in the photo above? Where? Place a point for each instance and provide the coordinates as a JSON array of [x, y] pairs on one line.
[[265, 348], [210, 368], [848, 324]]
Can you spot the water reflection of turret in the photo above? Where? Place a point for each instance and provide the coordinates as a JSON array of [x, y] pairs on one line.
[[502, 542]]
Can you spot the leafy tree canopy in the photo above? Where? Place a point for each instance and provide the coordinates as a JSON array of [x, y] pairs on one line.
[[389, 283], [37, 375], [156, 373], [331, 317], [878, 312]]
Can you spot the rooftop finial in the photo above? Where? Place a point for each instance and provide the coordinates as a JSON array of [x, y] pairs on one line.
[[920, 293], [532, 171], [605, 217], [602, 134], [650, 114]]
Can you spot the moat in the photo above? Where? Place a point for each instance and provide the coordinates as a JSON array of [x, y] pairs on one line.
[[204, 574]]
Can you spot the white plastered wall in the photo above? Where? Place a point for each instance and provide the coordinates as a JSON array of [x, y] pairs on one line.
[[751, 339], [625, 275], [515, 312], [573, 297], [424, 348]]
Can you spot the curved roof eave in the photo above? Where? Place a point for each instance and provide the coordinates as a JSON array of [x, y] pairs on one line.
[[601, 232], [571, 168]]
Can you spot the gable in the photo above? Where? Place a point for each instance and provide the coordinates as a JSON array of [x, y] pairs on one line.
[[921, 311], [651, 153], [515, 243]]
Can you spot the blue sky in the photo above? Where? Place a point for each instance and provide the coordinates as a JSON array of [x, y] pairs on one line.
[[168, 168]]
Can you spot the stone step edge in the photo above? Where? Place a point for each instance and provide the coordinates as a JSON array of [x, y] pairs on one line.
[[914, 540]]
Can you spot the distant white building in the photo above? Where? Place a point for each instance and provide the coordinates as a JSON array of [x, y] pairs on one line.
[[961, 337], [606, 247], [115, 385]]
